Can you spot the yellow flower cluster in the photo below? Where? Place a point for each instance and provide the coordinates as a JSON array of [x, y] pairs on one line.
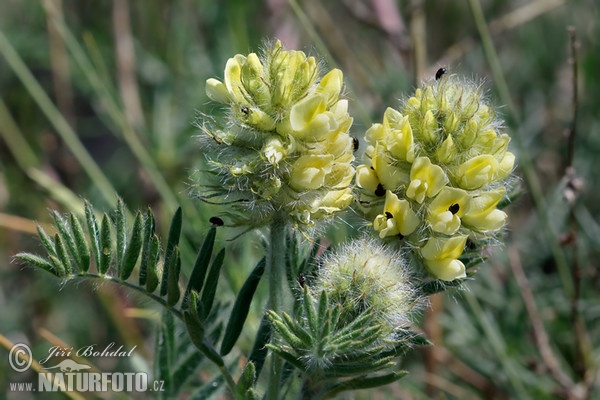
[[287, 148], [435, 171]]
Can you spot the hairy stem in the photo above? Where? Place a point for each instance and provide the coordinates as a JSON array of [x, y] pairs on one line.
[[277, 285]]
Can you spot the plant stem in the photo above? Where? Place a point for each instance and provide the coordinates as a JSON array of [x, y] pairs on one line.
[[277, 285]]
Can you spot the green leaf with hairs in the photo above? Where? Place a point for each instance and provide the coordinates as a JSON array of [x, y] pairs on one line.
[[210, 287], [196, 280], [173, 268], [246, 380], [37, 261], [62, 254], [365, 382], [259, 351], [68, 242], [149, 227], [92, 227], [152, 274], [241, 307], [58, 266], [121, 235], [133, 248], [105, 245], [47, 241], [83, 250], [172, 242]]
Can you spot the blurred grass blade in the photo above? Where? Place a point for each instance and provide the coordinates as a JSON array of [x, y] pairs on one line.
[[184, 370], [132, 251], [241, 307], [196, 280], [209, 389], [164, 349], [56, 119], [172, 242]]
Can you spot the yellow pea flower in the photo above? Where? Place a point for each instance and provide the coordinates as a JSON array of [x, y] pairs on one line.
[[217, 91], [447, 151], [285, 146], [441, 257], [397, 218], [446, 209], [426, 179], [477, 172], [389, 173], [330, 86], [398, 135], [309, 172], [482, 214], [366, 178]]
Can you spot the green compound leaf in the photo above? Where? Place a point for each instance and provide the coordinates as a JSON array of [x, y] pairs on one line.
[[172, 242], [241, 307]]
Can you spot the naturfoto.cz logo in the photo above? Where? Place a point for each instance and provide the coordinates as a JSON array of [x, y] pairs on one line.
[[70, 376]]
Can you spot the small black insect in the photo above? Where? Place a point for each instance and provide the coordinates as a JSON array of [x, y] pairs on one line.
[[454, 208], [388, 215], [355, 143], [216, 221], [302, 280], [245, 110], [380, 191], [440, 72]]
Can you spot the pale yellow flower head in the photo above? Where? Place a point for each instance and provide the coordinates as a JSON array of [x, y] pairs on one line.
[[442, 163], [286, 147]]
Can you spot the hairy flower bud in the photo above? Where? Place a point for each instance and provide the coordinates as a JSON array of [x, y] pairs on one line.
[[364, 275], [286, 147]]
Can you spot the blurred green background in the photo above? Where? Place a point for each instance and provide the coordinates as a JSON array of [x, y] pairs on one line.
[[100, 97]]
